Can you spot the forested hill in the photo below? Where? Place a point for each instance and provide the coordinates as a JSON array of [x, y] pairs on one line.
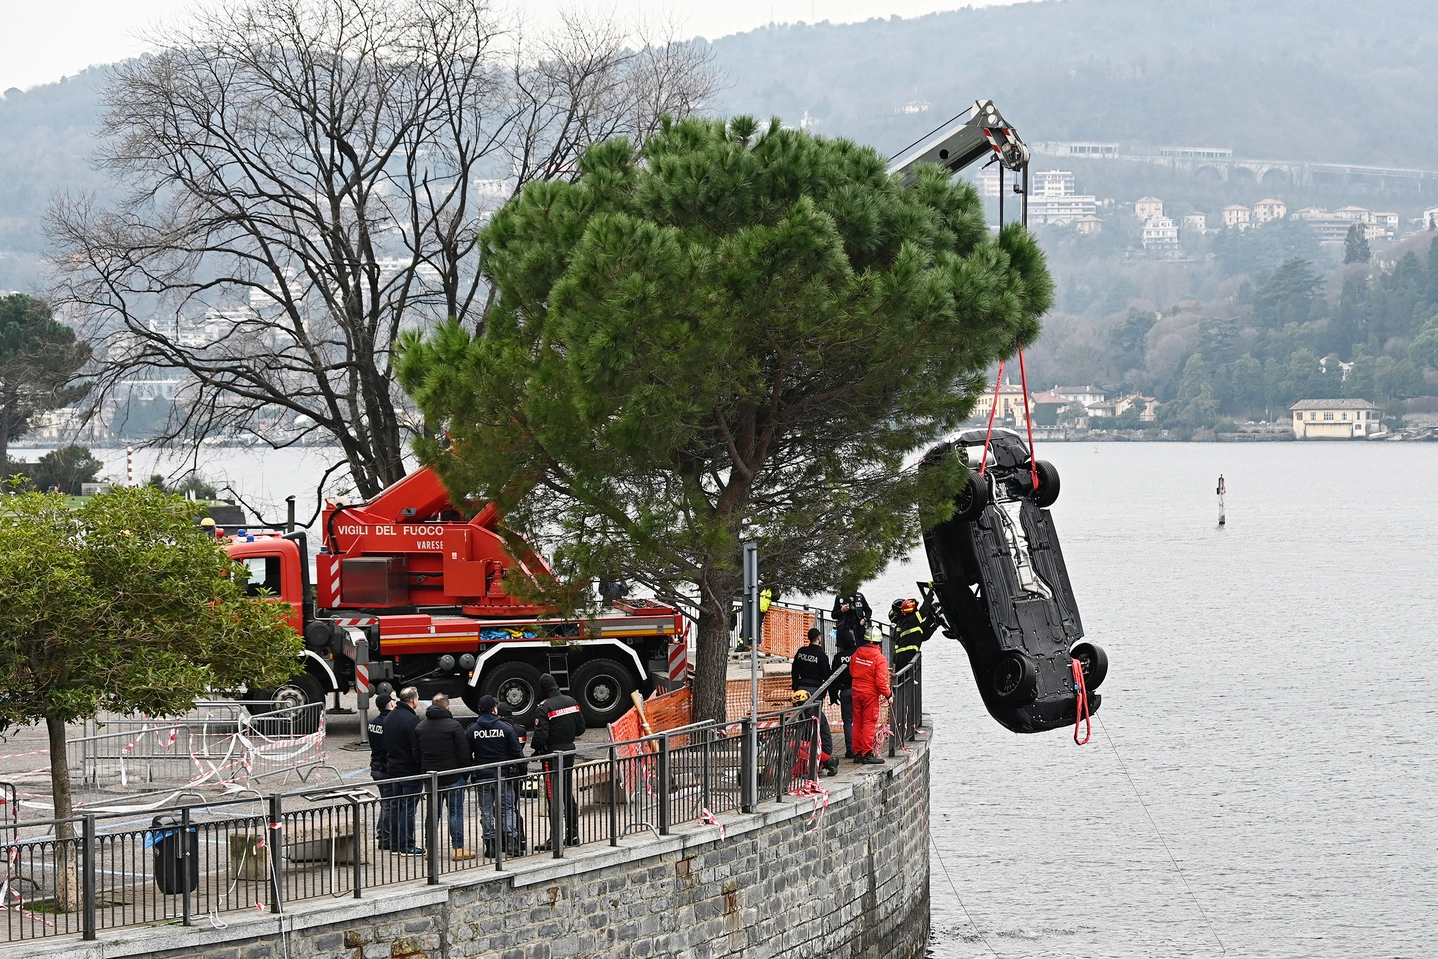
[[1303, 79], [1329, 80]]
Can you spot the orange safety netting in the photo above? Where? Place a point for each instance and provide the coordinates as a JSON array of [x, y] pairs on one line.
[[785, 630]]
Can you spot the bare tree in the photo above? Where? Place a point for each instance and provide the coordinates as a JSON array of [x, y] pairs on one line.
[[302, 184]]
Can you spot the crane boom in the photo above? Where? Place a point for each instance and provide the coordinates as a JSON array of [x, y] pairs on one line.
[[984, 132]]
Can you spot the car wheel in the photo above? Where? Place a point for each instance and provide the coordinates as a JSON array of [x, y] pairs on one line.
[[1094, 662], [1048, 490], [602, 688], [973, 498], [515, 685], [1015, 679]]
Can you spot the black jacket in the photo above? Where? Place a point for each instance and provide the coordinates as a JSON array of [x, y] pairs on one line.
[[492, 740], [560, 722], [810, 669], [853, 613], [441, 744], [401, 756], [841, 662], [377, 758]]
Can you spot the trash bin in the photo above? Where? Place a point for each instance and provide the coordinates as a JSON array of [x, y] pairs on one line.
[[174, 874]]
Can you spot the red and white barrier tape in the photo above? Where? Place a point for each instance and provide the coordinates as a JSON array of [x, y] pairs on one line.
[[809, 788], [709, 819]]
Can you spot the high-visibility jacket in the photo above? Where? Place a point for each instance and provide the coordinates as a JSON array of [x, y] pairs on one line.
[[909, 632], [869, 671]]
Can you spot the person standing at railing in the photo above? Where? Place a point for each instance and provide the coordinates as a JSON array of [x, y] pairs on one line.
[[869, 671], [913, 625], [560, 723], [402, 759], [808, 673], [444, 748], [852, 612], [379, 769], [492, 740], [843, 688]]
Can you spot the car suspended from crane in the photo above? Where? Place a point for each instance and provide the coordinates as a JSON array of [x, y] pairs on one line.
[[999, 584]]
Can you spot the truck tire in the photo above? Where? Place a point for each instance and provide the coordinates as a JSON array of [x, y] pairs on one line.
[[602, 688], [302, 689], [1015, 679], [515, 684]]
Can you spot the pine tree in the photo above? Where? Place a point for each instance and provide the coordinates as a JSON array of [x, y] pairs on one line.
[[740, 333], [1355, 246]]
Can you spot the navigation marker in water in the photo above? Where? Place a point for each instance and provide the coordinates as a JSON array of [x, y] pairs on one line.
[[1222, 512]]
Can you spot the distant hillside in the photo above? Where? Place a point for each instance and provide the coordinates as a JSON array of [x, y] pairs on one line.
[[1328, 80]]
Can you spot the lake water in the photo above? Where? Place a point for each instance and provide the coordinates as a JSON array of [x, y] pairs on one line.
[[1272, 691]]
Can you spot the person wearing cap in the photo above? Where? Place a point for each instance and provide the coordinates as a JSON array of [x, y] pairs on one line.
[[869, 671], [401, 761], [379, 768], [492, 741], [560, 722], [809, 672]]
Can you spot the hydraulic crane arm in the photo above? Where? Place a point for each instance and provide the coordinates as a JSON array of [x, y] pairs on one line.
[[957, 146]]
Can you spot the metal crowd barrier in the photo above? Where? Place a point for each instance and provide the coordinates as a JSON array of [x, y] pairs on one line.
[[195, 862]]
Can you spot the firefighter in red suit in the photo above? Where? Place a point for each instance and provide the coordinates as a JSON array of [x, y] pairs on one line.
[[869, 671]]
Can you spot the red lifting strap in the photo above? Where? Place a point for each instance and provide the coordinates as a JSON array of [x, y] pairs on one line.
[[998, 383], [1024, 378], [1081, 713]]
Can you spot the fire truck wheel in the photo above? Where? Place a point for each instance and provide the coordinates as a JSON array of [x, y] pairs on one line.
[[516, 684], [602, 688], [301, 690]]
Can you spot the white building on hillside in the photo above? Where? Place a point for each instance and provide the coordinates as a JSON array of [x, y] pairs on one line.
[[1196, 222], [1159, 233], [1336, 419], [1080, 394]]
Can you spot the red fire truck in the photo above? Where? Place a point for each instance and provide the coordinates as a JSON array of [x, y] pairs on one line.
[[428, 594]]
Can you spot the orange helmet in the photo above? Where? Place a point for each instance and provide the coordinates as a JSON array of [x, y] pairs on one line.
[[908, 606]]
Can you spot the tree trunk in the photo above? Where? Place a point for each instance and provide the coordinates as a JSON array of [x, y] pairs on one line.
[[4, 444], [67, 880], [718, 590]]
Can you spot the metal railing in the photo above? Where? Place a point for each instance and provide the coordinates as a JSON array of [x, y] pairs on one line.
[[195, 862], [224, 744]]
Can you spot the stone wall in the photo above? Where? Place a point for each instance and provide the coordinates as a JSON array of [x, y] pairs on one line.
[[856, 885]]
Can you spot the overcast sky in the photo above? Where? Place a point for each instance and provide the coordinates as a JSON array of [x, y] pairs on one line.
[[48, 39]]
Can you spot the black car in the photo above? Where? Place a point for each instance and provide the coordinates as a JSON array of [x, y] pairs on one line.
[[1000, 582]]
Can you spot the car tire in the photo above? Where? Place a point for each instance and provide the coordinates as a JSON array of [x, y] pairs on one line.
[[1094, 662], [1014, 679], [602, 688], [969, 505], [1048, 490], [516, 684]]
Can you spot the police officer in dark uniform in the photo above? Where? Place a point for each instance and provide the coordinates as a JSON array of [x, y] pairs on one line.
[[491, 740], [810, 670], [379, 768], [852, 612], [560, 722], [843, 688]]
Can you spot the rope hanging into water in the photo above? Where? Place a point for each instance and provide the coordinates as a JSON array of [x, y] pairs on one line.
[[998, 384], [1164, 842], [1024, 379]]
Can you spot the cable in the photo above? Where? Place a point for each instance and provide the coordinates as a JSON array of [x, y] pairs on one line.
[[1028, 421], [1164, 842], [923, 807], [998, 384]]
